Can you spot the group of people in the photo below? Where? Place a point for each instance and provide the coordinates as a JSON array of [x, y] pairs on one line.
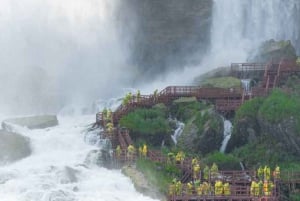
[[107, 117], [131, 152], [264, 185]]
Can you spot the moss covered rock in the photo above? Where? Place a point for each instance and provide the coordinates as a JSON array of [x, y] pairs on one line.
[[272, 50], [221, 82], [203, 133]]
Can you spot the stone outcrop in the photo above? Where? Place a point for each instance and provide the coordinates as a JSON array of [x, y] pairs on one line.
[[141, 183], [33, 122], [272, 50], [282, 135], [246, 130], [13, 147], [202, 135]]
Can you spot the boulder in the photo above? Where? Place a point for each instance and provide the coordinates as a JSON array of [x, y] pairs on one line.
[[203, 133], [13, 147], [141, 183], [33, 122], [274, 51]]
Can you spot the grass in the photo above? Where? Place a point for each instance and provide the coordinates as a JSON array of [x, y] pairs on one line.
[[222, 82], [157, 174]]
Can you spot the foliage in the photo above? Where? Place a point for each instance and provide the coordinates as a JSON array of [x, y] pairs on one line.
[[149, 124], [157, 174], [262, 153], [279, 106], [295, 197], [186, 110], [222, 82], [224, 161], [249, 109]]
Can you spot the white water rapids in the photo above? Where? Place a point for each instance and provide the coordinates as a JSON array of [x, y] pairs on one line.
[[56, 169]]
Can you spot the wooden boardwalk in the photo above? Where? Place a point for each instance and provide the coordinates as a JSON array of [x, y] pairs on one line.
[[225, 100]]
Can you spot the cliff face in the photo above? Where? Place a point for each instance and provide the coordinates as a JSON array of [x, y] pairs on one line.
[[281, 136], [166, 34], [284, 134]]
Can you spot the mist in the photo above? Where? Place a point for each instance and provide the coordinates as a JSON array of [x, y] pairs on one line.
[[56, 53]]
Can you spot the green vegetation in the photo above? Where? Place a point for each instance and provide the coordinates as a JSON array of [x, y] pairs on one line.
[[157, 174], [279, 106], [249, 109], [184, 111], [151, 125], [224, 161], [222, 82]]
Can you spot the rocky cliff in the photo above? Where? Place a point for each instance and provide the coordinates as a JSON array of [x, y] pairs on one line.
[[166, 34]]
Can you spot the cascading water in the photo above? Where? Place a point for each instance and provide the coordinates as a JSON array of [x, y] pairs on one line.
[[59, 168], [239, 26], [178, 131], [246, 85], [226, 134]]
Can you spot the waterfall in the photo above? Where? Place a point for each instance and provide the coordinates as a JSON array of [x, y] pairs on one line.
[[239, 26], [226, 134], [178, 131], [246, 85]]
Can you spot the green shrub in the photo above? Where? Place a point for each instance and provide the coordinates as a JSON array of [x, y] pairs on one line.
[[249, 109], [224, 161], [157, 174], [279, 106], [183, 111], [149, 124]]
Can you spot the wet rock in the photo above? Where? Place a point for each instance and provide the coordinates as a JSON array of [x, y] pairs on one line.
[[141, 183], [67, 175], [272, 50], [33, 122], [13, 147]]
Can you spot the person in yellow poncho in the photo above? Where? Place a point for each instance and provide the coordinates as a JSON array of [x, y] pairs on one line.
[[179, 157], [130, 153], [276, 172], [118, 152], [172, 188], [140, 151], [145, 150], [178, 187], [109, 128], [206, 173], [194, 162], [171, 157], [196, 171], [267, 173], [254, 189], [226, 189], [218, 188], [190, 188], [260, 173], [214, 170]]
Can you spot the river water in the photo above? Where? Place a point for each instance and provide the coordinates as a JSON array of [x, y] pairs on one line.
[[57, 169]]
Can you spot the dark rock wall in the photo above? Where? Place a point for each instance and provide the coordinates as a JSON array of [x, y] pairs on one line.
[[165, 34]]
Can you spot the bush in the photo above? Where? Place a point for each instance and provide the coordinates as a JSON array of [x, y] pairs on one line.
[[185, 110], [157, 174], [149, 124], [279, 106], [249, 109], [224, 161]]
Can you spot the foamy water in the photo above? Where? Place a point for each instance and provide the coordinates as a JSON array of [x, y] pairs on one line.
[[56, 171]]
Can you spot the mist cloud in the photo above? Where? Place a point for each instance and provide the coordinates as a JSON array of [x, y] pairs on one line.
[[54, 53]]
